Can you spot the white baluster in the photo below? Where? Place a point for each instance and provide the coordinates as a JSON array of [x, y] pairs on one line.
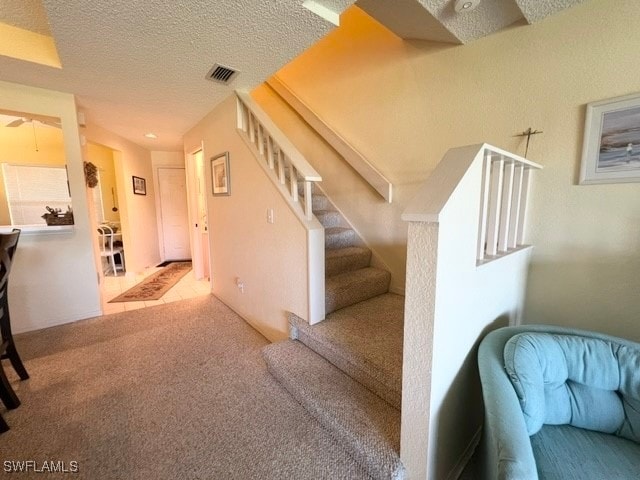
[[526, 180], [495, 198], [270, 151], [293, 181], [484, 203], [308, 200], [516, 196], [260, 140], [241, 123], [252, 135], [281, 175], [505, 208]]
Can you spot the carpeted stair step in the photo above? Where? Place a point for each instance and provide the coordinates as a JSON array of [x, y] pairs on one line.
[[346, 259], [356, 286], [328, 218], [364, 341], [338, 237], [366, 426], [320, 202]]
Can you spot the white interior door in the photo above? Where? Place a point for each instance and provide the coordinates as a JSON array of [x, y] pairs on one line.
[[174, 213]]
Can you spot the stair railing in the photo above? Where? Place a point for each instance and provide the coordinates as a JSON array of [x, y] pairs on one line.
[[284, 162], [294, 177], [503, 205], [504, 191]]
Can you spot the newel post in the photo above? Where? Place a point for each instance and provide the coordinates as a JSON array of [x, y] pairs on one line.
[[422, 248]]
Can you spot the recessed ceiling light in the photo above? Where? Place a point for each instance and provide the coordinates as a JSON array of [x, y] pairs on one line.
[[151, 135], [465, 5]]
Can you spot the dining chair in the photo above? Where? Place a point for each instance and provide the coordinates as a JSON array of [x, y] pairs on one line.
[[109, 250], [3, 425], [8, 245]]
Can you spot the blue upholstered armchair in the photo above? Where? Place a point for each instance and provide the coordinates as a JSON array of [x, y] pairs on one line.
[[559, 404]]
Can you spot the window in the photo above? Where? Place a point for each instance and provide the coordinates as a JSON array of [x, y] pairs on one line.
[[30, 189]]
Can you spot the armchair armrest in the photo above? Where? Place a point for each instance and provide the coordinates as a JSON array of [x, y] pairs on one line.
[[506, 447]]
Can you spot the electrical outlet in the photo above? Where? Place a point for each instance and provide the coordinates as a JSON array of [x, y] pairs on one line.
[[270, 216], [240, 284]]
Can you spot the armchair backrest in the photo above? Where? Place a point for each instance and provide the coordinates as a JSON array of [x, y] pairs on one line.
[[506, 447], [571, 379]]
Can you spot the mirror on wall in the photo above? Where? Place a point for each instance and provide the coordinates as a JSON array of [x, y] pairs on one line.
[[34, 189]]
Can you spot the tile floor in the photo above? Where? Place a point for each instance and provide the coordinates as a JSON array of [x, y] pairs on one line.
[[187, 287]]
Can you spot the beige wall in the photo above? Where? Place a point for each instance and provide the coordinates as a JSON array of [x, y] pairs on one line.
[[270, 259], [404, 104], [137, 212], [54, 279]]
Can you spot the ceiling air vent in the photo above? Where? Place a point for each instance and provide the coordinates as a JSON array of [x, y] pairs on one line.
[[221, 74]]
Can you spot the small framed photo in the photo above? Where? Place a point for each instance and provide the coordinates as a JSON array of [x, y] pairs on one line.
[[611, 148], [220, 175], [139, 186]]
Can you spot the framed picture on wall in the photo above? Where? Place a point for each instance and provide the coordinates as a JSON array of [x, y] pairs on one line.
[[139, 186], [220, 175], [611, 148]]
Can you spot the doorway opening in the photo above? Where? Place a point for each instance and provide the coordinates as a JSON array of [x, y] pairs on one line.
[[105, 212], [198, 215]]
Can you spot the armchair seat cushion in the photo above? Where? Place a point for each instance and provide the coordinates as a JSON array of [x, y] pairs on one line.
[[564, 452]]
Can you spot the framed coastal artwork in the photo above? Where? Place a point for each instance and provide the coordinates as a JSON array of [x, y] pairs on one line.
[[611, 148], [220, 176]]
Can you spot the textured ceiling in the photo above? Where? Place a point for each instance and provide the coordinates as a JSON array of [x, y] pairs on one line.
[[140, 66], [27, 14], [536, 10], [437, 20]]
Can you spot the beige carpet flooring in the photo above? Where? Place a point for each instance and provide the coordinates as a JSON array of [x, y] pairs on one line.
[[177, 391]]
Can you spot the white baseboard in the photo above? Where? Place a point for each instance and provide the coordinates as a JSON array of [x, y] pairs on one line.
[[53, 322], [397, 290]]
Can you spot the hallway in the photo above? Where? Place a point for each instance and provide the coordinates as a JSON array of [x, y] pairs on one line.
[[187, 287]]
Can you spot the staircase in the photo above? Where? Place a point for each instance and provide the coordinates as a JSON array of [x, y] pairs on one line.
[[347, 370]]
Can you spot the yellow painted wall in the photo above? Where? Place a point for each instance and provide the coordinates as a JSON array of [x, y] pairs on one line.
[[404, 104], [102, 157], [17, 146]]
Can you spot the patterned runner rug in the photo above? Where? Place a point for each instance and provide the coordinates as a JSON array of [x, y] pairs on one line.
[[156, 285]]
